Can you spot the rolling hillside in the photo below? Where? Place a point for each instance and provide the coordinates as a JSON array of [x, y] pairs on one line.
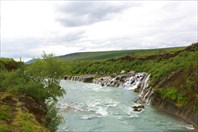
[[103, 55]]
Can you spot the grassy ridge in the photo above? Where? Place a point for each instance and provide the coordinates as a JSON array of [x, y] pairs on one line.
[[103, 55]]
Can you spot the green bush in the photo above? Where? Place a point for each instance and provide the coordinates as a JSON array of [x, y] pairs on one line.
[[172, 94], [55, 119]]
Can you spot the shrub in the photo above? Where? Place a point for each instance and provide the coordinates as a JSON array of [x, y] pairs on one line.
[[172, 94]]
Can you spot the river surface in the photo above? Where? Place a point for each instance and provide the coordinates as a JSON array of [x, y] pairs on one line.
[[90, 107]]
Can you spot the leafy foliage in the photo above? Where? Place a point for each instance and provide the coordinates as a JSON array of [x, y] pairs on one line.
[[46, 73], [39, 80], [52, 114], [9, 64]]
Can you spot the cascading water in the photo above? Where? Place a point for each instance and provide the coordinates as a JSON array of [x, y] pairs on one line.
[[144, 85]]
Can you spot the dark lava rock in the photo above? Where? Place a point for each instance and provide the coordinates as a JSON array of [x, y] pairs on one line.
[[132, 81], [137, 109], [117, 78], [141, 106]]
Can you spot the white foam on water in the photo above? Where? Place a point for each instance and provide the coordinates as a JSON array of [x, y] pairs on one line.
[[190, 127], [113, 79], [102, 111], [128, 86], [118, 117], [99, 106], [110, 103], [87, 117], [126, 110], [99, 89], [134, 116]]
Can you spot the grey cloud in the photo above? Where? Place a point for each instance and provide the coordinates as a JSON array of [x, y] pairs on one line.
[[16, 48], [72, 37], [85, 13]]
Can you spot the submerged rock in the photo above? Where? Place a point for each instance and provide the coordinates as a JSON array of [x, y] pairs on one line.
[[138, 108]]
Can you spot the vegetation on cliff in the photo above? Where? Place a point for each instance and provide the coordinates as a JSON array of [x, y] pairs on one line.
[[24, 91]]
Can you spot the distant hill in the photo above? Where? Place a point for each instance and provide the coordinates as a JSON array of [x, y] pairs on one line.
[[104, 55], [94, 55], [30, 61]]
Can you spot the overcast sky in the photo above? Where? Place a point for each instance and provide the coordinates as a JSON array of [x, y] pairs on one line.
[[30, 27]]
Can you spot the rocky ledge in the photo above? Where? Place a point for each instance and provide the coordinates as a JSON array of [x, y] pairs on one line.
[[83, 78]]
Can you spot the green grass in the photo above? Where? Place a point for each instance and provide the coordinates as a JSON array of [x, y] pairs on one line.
[[19, 119], [5, 112], [26, 122], [4, 128], [104, 55], [172, 94]]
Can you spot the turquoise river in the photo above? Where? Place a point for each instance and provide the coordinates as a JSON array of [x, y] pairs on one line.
[[90, 107]]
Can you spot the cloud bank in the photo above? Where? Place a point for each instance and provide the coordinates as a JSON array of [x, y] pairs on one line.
[[66, 27]]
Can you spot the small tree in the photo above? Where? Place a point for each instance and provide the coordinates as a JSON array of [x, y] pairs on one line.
[[47, 71]]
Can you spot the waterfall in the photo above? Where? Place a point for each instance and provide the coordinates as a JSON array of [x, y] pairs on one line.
[[127, 81], [144, 85], [146, 92]]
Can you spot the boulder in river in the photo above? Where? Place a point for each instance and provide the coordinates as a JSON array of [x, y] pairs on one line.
[[138, 108]]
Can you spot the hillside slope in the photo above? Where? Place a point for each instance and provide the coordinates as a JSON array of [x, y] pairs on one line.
[[103, 55]]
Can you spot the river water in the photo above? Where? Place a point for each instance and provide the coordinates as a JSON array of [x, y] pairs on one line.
[[90, 107]]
